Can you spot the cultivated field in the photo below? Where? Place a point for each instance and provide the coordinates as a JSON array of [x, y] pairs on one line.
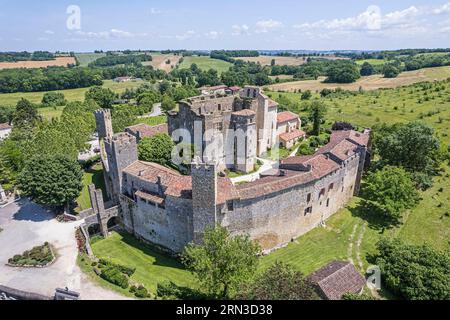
[[58, 62], [85, 58], [374, 62], [367, 83], [205, 63], [288, 61], [159, 61]]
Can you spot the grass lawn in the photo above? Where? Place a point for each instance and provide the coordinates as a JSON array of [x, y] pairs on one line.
[[93, 175], [152, 121], [70, 94], [151, 267], [205, 63]]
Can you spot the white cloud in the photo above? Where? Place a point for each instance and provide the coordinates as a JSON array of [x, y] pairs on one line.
[[445, 8], [264, 26], [212, 35], [49, 32], [187, 35], [111, 34], [398, 17], [239, 30], [154, 11]]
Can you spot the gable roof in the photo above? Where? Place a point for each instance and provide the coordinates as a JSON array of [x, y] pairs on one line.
[[336, 279], [286, 116], [288, 136]]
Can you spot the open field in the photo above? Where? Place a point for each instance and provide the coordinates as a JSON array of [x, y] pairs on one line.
[[159, 61], [70, 94], [151, 267], [58, 62], [374, 62], [368, 83], [205, 63], [85, 58], [288, 61]]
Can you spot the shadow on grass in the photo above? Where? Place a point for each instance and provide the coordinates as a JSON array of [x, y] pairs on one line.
[[161, 258], [97, 178], [374, 216], [169, 291]]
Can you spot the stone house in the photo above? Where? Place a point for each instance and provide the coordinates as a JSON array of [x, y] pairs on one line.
[[289, 129]]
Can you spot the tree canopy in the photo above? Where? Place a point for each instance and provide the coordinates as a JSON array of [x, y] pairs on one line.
[[102, 96], [317, 111], [222, 263], [157, 148], [51, 180]]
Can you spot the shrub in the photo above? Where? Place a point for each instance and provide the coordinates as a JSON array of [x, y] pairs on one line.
[[114, 276], [38, 256], [140, 291], [129, 271]]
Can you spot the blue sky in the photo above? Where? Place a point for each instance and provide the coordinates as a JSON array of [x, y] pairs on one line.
[[245, 24]]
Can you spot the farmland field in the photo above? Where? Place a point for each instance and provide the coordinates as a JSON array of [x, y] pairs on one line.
[[374, 62], [159, 61], [368, 83], [59, 62], [289, 61], [70, 94], [205, 63], [85, 58]]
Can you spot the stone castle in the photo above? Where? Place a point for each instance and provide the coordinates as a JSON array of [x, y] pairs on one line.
[[161, 206]]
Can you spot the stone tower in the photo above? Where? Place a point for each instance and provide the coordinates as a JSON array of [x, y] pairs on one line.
[[121, 151], [204, 197], [104, 123], [242, 151]]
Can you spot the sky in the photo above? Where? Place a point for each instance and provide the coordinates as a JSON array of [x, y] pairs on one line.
[[87, 25]]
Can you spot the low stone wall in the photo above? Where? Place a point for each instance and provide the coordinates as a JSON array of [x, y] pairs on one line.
[[14, 294]]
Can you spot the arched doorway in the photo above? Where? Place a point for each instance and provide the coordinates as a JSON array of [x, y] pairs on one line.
[[94, 229], [112, 223]]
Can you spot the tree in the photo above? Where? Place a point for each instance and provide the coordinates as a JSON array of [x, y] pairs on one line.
[[167, 103], [317, 111], [222, 263], [343, 72], [53, 99], [390, 71], [306, 95], [280, 282], [26, 114], [355, 296], [367, 69], [103, 97], [52, 180], [398, 145], [341, 125], [122, 117], [414, 272], [391, 190], [272, 62], [6, 114], [157, 148]]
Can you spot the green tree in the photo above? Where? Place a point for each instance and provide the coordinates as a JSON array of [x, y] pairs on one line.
[[367, 69], [306, 95], [355, 296], [53, 99], [390, 70], [102, 96], [157, 148], [391, 190], [6, 114], [343, 72], [122, 116], [317, 111], [414, 272], [53, 180], [26, 114], [167, 103], [280, 282], [222, 263]]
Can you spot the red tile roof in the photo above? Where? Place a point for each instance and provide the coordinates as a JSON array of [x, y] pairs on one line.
[[145, 130], [288, 136], [286, 116], [336, 279], [235, 88], [273, 103], [5, 126]]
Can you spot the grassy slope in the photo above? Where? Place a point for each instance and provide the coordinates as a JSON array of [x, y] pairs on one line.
[[151, 267], [85, 58], [371, 61], [205, 63]]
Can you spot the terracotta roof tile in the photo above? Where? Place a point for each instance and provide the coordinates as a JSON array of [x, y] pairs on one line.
[[288, 136], [286, 116], [336, 279], [145, 130]]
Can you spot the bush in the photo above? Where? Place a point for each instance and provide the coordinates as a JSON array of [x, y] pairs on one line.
[[140, 291], [38, 256], [113, 275], [129, 271]]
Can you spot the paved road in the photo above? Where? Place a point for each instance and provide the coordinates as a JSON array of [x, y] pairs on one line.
[[155, 112], [26, 225]]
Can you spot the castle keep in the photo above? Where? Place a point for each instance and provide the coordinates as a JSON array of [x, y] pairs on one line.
[[161, 206]]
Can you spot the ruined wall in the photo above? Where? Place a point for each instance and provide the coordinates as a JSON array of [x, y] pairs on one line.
[[276, 219]]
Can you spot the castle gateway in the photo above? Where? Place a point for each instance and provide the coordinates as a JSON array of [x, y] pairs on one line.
[[162, 206]]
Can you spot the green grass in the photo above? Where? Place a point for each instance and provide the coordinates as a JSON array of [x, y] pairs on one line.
[[152, 121], [151, 267], [70, 94], [93, 175], [85, 58], [205, 63], [374, 62]]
